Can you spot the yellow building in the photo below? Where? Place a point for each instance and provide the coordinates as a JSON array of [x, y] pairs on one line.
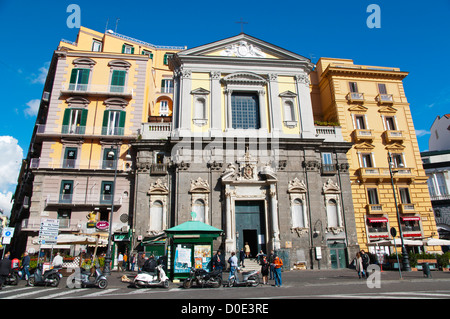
[[370, 105], [98, 92]]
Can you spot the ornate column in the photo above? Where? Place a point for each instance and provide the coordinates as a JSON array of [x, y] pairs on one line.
[[262, 109], [215, 112], [274, 104], [185, 102], [229, 121], [274, 214], [306, 120], [229, 242]]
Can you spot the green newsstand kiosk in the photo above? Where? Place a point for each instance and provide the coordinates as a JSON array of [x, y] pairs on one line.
[[190, 245]]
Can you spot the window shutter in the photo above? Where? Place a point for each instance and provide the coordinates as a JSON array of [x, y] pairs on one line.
[[132, 50], [84, 78], [105, 122], [123, 115], [118, 78], [123, 48], [73, 76], [166, 60], [65, 123]]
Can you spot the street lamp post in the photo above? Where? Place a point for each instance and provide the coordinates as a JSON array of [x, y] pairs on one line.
[[405, 257], [108, 258]]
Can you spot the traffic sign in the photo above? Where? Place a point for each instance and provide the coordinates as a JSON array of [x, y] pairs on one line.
[[48, 231], [7, 234]]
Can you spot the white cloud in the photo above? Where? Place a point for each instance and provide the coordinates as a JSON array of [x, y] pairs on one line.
[[33, 107], [40, 78], [5, 203], [421, 133], [10, 163]]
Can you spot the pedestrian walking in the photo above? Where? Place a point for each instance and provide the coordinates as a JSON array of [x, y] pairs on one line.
[[5, 269], [265, 270], [140, 261], [233, 261], [57, 261], [271, 265], [247, 250], [278, 263], [25, 266], [125, 260], [365, 261], [120, 262], [359, 265], [133, 260], [242, 257]]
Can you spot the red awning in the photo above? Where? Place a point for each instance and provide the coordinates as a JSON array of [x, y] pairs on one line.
[[377, 219], [410, 218]]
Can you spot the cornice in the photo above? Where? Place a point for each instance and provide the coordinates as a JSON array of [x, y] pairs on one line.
[[360, 72]]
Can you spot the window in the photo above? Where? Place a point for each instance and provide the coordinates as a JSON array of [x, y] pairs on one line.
[[166, 58], [64, 218], [70, 157], [442, 186], [79, 79], [366, 160], [332, 214], [404, 196], [107, 190], [118, 81], [66, 191], [167, 86], [372, 195], [74, 121], [437, 185], [163, 108], [148, 53], [109, 158], [245, 111], [327, 163], [199, 210], [360, 122], [377, 227], [397, 159], [390, 123], [127, 49], [382, 88], [353, 87], [298, 219], [156, 215], [96, 46], [113, 122]]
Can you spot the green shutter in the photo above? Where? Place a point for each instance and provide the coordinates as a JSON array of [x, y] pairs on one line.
[[132, 50], [84, 77], [73, 76], [118, 81], [123, 115], [151, 55], [123, 48], [105, 122], [83, 121], [66, 119], [165, 59]]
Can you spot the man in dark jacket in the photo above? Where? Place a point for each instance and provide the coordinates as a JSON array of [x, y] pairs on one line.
[[26, 265], [5, 269], [218, 261]]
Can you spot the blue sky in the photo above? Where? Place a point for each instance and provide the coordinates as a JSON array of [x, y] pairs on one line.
[[414, 36]]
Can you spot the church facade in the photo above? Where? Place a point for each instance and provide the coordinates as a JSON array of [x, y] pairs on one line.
[[243, 154]]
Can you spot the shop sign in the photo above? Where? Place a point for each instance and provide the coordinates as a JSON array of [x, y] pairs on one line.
[[102, 225]]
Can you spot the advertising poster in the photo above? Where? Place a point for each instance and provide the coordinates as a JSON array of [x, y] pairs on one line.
[[182, 262], [202, 256]]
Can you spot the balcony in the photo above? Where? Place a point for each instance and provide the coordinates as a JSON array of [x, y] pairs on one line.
[[385, 99], [158, 169], [38, 163], [156, 131], [97, 89], [328, 169], [363, 135], [407, 208], [85, 131], [394, 136], [355, 97], [374, 208], [378, 174], [435, 197], [70, 200], [329, 133]]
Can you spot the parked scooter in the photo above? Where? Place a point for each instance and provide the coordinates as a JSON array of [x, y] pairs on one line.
[[249, 279], [203, 278], [84, 278], [152, 279], [13, 277], [50, 277]]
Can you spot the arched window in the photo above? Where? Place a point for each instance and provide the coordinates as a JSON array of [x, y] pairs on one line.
[[199, 210], [298, 220], [156, 216], [332, 213]]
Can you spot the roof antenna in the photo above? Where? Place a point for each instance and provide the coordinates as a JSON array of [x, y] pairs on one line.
[[117, 22], [106, 26]]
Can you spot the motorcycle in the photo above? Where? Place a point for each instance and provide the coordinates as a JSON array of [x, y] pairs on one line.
[[203, 278], [151, 279], [83, 278], [13, 277], [249, 279], [51, 277]]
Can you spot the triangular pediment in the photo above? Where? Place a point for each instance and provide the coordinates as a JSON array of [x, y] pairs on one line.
[[364, 146], [395, 147], [243, 46], [357, 108], [387, 109]]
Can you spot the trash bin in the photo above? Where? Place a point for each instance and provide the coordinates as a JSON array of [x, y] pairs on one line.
[[426, 270]]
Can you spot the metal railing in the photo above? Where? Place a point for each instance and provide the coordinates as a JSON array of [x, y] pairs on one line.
[[76, 199], [82, 130], [96, 88]]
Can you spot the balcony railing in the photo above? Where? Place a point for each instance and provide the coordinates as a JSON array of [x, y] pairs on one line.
[[363, 134], [165, 90], [158, 169], [385, 98], [156, 130], [355, 97], [96, 89], [374, 208], [328, 169], [407, 208], [82, 130], [329, 133], [394, 136], [81, 200], [37, 163], [440, 197], [29, 224], [379, 173]]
